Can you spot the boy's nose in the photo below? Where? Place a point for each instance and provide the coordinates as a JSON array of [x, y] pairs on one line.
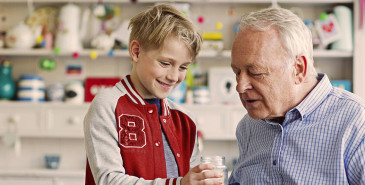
[[173, 75]]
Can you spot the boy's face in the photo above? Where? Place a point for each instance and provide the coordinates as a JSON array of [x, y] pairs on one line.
[[157, 71]]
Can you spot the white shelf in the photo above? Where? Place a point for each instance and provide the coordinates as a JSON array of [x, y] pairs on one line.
[[189, 1], [221, 138], [124, 53], [281, 1], [332, 54], [52, 135], [42, 173], [50, 52]]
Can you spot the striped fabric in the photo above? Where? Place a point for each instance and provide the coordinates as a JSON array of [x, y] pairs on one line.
[[321, 141], [134, 96]]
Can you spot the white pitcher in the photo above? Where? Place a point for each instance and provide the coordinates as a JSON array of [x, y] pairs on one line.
[[69, 36]]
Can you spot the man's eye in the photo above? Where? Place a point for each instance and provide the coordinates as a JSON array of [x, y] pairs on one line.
[[257, 74], [236, 72]]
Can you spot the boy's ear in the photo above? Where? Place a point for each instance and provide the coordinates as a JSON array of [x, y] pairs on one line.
[[300, 69], [134, 49]]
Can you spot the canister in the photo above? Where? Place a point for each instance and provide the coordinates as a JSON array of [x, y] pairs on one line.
[[55, 92]]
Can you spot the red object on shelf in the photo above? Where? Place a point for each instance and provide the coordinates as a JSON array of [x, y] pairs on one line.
[[75, 55], [94, 85]]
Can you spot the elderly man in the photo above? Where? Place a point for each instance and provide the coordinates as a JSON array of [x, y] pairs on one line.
[[299, 129]]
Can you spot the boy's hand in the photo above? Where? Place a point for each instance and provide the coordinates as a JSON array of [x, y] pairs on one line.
[[196, 176]]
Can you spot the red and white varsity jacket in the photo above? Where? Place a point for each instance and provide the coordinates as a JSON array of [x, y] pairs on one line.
[[124, 139]]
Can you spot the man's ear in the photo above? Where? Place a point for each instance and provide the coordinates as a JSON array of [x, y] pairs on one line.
[[300, 69], [134, 49]]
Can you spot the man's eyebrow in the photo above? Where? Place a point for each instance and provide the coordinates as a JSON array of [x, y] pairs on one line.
[[258, 67], [252, 66]]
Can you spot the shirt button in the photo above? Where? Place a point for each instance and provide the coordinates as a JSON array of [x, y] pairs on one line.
[[150, 111], [274, 162], [178, 154]]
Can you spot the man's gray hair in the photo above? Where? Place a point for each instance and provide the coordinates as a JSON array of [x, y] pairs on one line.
[[294, 34]]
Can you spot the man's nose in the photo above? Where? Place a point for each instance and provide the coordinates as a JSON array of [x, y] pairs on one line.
[[243, 84]]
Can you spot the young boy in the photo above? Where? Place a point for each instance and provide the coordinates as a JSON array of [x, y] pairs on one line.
[[133, 133]]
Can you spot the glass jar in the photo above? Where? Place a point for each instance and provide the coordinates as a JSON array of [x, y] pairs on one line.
[[219, 163]]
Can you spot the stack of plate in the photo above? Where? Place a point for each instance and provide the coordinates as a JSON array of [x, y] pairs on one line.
[[31, 88]]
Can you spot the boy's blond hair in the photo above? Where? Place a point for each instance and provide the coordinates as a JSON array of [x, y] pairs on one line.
[[154, 25]]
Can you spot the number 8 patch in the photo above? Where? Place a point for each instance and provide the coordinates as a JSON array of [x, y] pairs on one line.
[[131, 133]]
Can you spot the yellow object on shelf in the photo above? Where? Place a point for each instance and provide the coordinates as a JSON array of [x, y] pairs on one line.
[[212, 36], [219, 25]]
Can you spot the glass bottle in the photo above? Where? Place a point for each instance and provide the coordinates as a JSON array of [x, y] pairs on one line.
[[219, 163], [7, 84]]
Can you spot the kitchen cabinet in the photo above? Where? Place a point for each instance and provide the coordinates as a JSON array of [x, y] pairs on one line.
[[57, 127]]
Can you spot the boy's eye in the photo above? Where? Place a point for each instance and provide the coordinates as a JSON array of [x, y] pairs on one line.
[[165, 63], [184, 67]]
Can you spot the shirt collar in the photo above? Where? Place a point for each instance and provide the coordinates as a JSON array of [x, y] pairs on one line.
[[315, 97]]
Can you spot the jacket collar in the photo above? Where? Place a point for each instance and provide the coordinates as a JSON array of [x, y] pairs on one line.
[[136, 98]]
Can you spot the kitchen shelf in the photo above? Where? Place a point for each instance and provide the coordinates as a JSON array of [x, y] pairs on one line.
[[49, 135], [42, 173], [332, 54], [50, 52], [190, 1], [226, 54], [221, 138]]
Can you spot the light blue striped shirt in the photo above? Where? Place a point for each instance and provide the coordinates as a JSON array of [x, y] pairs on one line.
[[321, 141]]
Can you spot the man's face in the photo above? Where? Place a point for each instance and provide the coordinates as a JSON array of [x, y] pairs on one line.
[[265, 82]]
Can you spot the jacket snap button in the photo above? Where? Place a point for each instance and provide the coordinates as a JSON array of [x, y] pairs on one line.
[[157, 143], [178, 154], [150, 111], [164, 120]]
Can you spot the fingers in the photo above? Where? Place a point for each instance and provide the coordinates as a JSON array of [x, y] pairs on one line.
[[201, 167], [211, 182], [185, 181], [210, 174], [203, 174]]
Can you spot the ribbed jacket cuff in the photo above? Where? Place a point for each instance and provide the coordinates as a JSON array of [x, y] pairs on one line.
[[173, 181]]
